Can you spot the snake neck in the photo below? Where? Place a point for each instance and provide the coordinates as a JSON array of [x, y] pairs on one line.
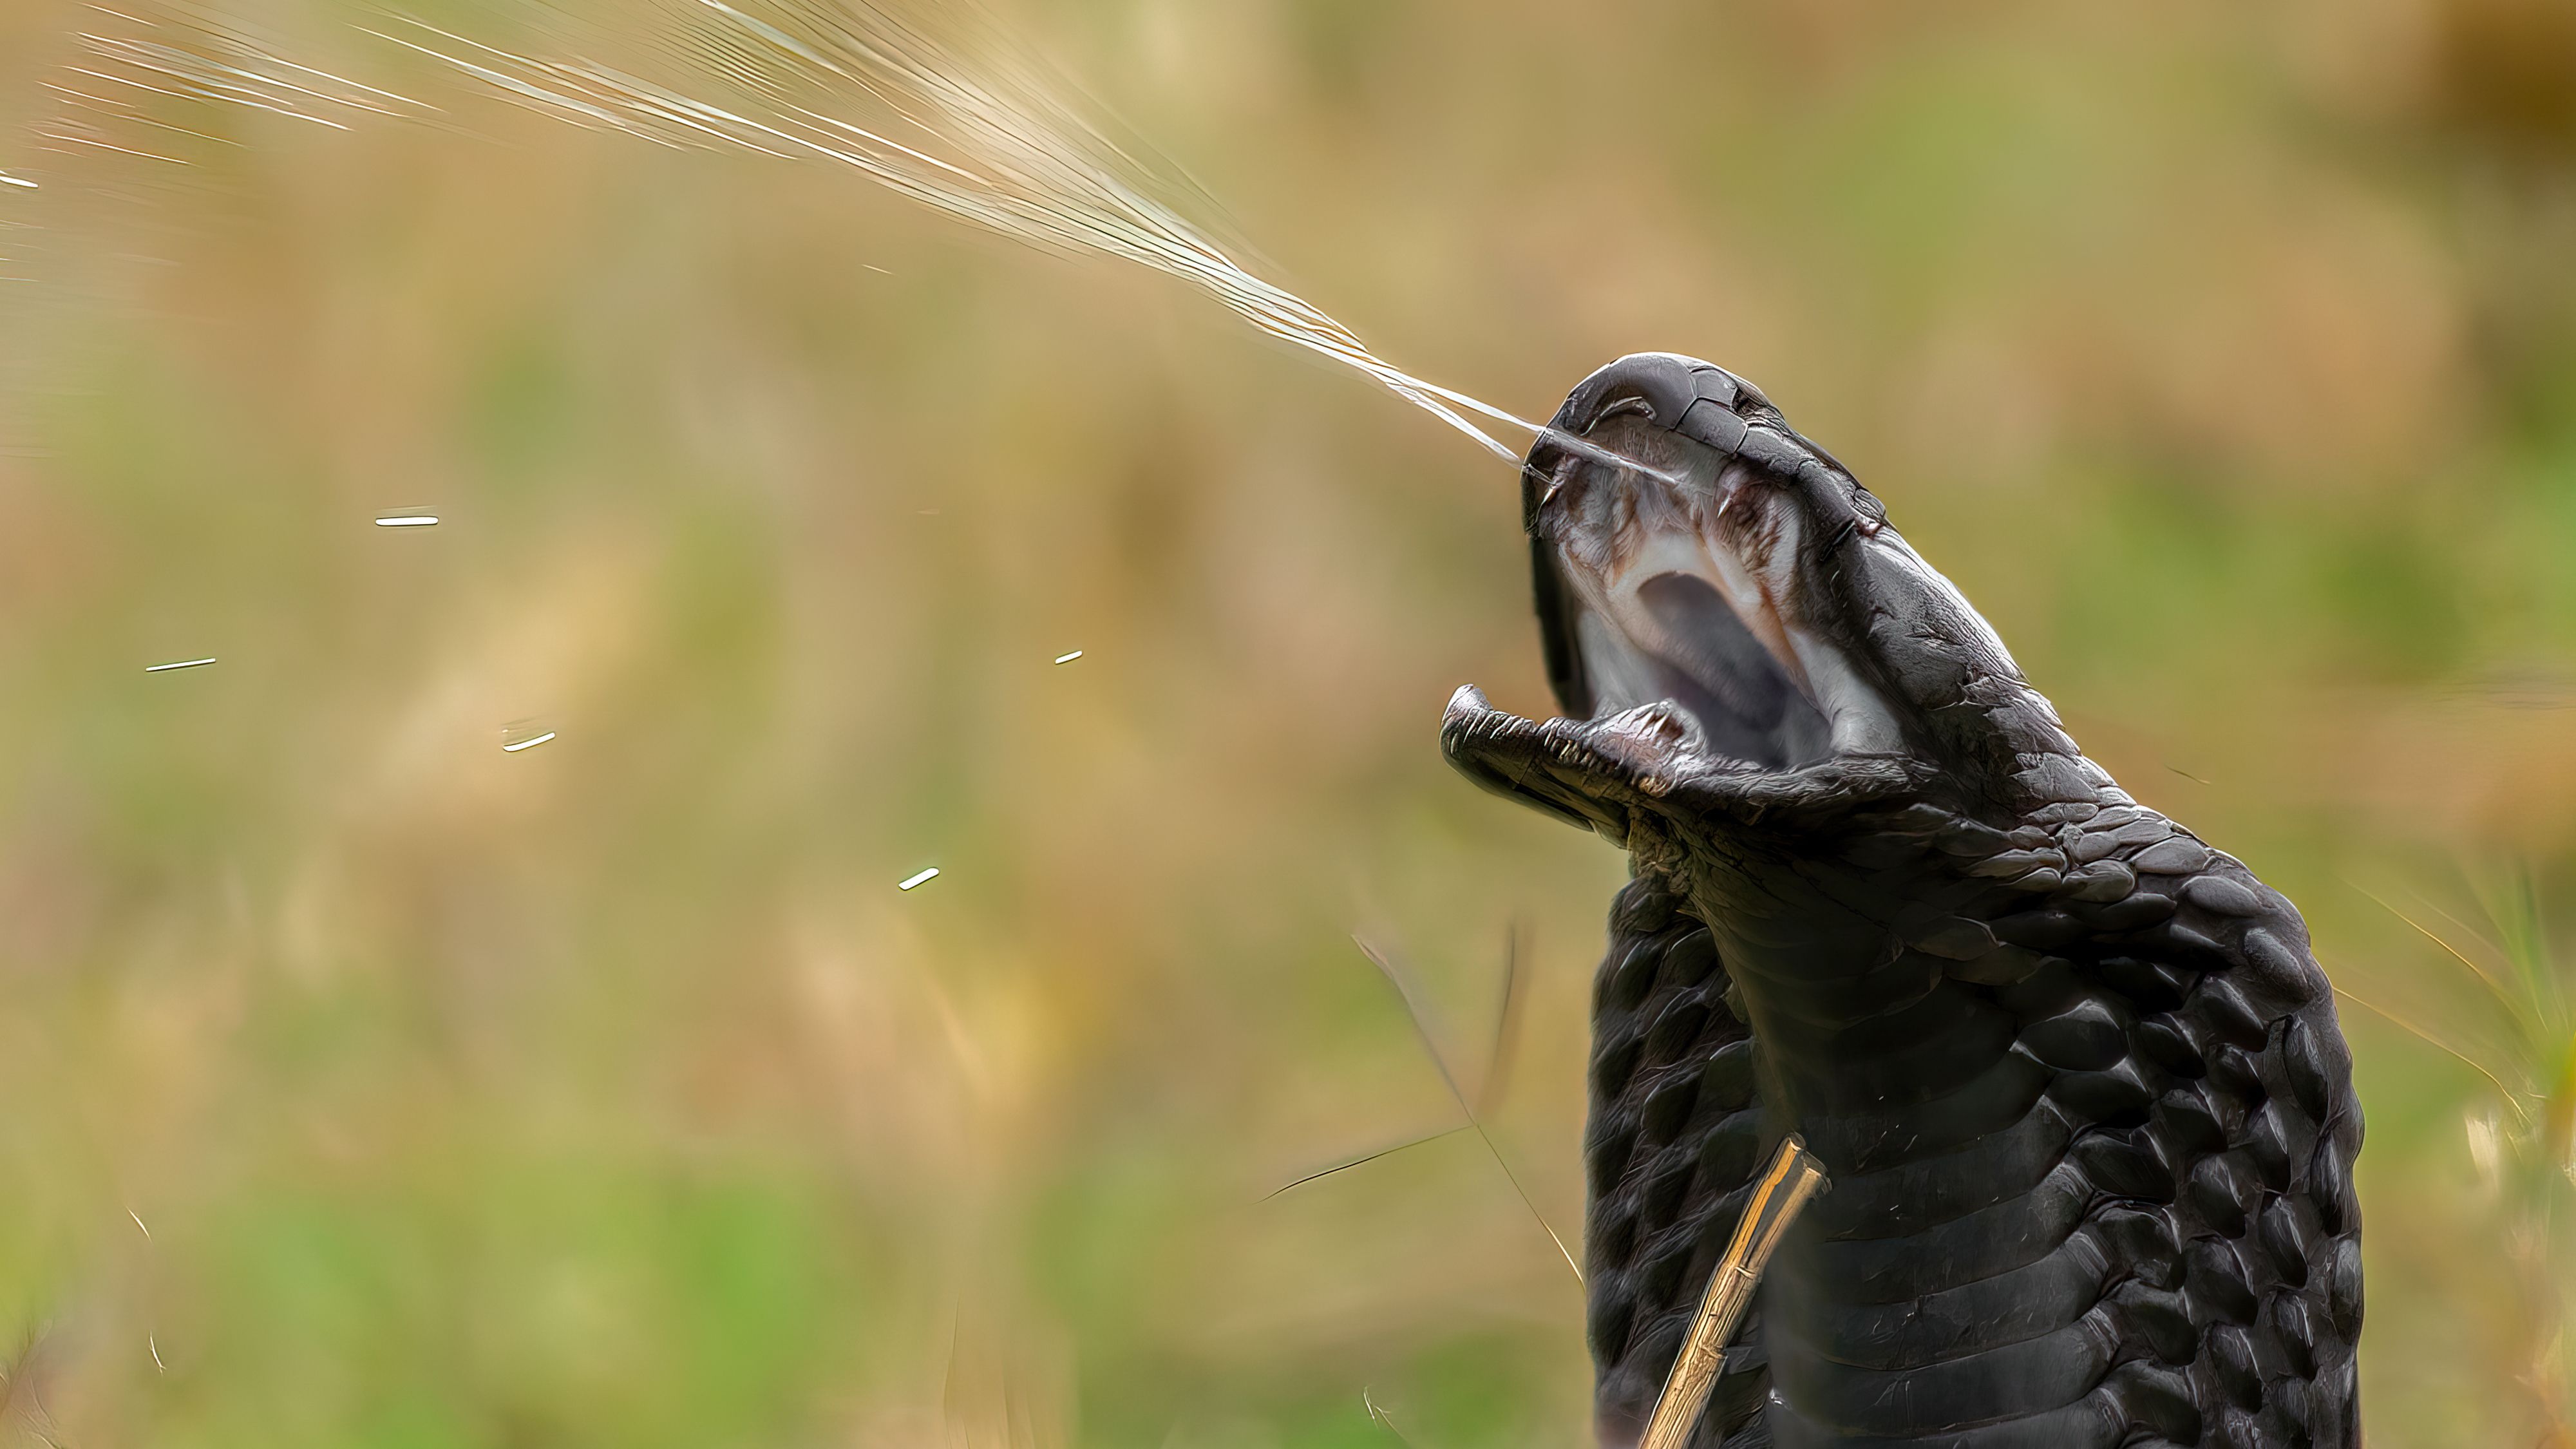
[[1949, 1013]]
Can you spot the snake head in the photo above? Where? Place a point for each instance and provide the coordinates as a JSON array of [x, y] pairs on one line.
[[1732, 628]]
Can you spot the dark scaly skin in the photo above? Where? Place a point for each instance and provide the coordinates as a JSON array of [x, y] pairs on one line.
[[2075, 1076]]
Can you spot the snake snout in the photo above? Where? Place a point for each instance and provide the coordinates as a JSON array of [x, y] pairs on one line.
[[1699, 400]]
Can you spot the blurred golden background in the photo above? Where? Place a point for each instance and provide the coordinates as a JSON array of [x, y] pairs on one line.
[[362, 1083]]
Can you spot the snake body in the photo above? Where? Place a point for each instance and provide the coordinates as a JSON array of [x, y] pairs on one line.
[[2075, 1076]]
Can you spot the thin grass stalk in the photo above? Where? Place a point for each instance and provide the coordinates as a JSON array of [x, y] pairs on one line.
[[1791, 1180]]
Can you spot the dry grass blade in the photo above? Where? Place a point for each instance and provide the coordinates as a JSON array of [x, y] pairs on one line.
[[1383, 1417], [1792, 1178], [2515, 1007], [1361, 1161], [1507, 1025], [1498, 1068], [2512, 1099], [2463, 927], [1422, 1028], [2513, 904]]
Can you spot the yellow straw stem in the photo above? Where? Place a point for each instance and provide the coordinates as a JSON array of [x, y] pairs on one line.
[[1792, 1178]]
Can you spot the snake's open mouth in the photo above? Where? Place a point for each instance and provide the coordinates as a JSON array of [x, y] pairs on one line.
[[1724, 609], [1675, 577], [1694, 576]]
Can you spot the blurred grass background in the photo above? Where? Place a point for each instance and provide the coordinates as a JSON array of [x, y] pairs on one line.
[[362, 1084]]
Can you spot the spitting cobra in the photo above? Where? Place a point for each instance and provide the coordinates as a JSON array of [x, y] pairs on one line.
[[2075, 1076]]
